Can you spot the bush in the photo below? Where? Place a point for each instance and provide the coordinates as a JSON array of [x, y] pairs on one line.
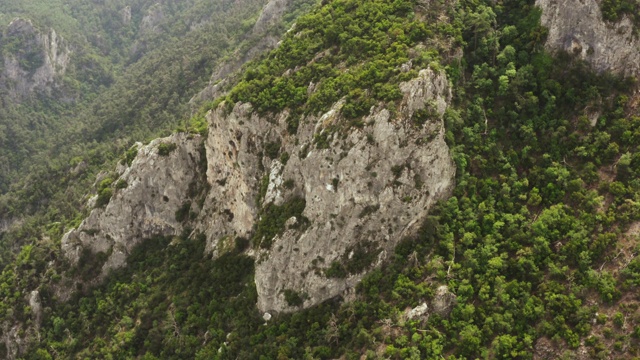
[[121, 184], [164, 149], [183, 213], [293, 298]]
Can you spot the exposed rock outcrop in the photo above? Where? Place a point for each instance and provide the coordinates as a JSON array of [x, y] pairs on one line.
[[417, 312], [365, 191], [577, 26], [444, 301], [356, 193], [146, 197], [35, 304], [271, 14], [125, 13], [13, 342], [34, 60]]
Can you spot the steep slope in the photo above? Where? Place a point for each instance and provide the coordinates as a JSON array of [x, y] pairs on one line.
[[311, 199], [147, 195], [379, 138], [533, 254], [33, 61], [315, 212]]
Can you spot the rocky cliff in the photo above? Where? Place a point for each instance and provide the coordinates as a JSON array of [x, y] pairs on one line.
[[320, 213], [577, 26], [367, 190], [146, 196], [34, 60]]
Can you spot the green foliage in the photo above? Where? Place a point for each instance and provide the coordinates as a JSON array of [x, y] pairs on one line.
[[288, 184], [293, 298], [121, 184], [614, 10], [371, 38], [273, 219], [105, 191], [262, 191], [164, 149], [130, 155], [24, 47], [368, 210], [123, 84], [529, 242], [166, 303], [354, 260], [272, 149]]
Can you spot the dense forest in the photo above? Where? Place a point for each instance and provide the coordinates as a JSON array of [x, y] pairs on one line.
[[538, 242]]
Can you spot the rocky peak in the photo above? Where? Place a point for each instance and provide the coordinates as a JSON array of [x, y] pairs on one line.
[[577, 27]]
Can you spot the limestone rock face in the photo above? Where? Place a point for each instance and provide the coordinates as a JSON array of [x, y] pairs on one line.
[[12, 340], [126, 15], [152, 189], [417, 312], [577, 26], [36, 307], [370, 188], [233, 148], [33, 60], [361, 189], [364, 190]]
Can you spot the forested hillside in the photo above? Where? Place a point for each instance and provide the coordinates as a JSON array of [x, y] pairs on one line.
[[534, 255]]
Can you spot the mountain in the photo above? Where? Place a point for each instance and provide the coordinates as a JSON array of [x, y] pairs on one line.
[[399, 179]]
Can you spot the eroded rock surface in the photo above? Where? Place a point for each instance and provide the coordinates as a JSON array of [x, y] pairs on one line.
[[364, 190], [577, 26], [444, 301], [271, 14], [151, 190], [34, 60], [358, 192]]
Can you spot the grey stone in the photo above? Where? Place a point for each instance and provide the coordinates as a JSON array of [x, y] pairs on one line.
[[577, 26], [418, 311], [156, 188], [55, 53], [444, 301]]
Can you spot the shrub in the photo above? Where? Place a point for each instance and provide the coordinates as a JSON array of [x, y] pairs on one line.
[[164, 149]]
